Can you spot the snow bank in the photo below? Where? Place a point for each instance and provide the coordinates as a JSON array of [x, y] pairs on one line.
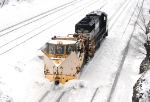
[[142, 88]]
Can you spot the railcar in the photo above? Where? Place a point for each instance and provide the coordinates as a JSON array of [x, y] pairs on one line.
[[64, 57], [94, 26]]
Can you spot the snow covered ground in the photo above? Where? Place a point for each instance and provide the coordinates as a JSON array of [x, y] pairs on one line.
[[25, 82], [130, 71]]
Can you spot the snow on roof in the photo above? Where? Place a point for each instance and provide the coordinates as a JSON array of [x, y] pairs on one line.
[[62, 41]]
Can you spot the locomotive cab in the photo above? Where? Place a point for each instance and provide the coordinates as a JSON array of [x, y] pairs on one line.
[[62, 62]]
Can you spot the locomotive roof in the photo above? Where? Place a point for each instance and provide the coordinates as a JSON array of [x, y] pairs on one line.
[[96, 13], [88, 19], [64, 42]]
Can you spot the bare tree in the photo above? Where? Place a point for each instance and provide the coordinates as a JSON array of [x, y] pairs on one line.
[[144, 24], [143, 82], [3, 2], [142, 40]]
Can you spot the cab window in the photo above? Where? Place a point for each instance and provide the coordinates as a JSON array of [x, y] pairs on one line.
[[51, 49], [69, 48], [59, 49]]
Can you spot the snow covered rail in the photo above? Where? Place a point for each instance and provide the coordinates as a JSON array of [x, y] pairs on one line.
[[35, 18], [118, 13], [61, 95], [124, 52], [53, 96], [94, 94], [71, 93], [44, 96]]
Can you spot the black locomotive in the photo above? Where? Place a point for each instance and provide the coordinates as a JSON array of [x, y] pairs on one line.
[[93, 26]]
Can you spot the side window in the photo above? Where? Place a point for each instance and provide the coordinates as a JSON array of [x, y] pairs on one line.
[[51, 49], [69, 48], [105, 18]]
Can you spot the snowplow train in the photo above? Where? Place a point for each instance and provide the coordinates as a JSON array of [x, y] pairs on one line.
[[65, 56]]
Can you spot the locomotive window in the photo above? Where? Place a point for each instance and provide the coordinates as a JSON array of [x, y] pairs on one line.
[[51, 49], [60, 50], [69, 48], [104, 18]]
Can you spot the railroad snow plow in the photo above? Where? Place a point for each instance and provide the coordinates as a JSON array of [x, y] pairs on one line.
[[64, 57]]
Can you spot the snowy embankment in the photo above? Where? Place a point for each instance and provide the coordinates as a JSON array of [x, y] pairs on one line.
[[141, 89]]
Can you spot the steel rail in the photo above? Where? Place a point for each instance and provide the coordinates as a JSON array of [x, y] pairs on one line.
[[61, 95], [130, 19], [36, 16], [94, 94], [117, 10], [44, 96], [43, 15], [119, 15]]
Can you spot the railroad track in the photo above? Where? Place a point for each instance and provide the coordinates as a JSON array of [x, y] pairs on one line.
[[53, 96], [14, 27], [86, 94], [124, 53], [118, 13], [22, 38], [62, 95]]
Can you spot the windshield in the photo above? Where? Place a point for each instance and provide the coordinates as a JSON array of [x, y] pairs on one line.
[[60, 49], [51, 49]]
